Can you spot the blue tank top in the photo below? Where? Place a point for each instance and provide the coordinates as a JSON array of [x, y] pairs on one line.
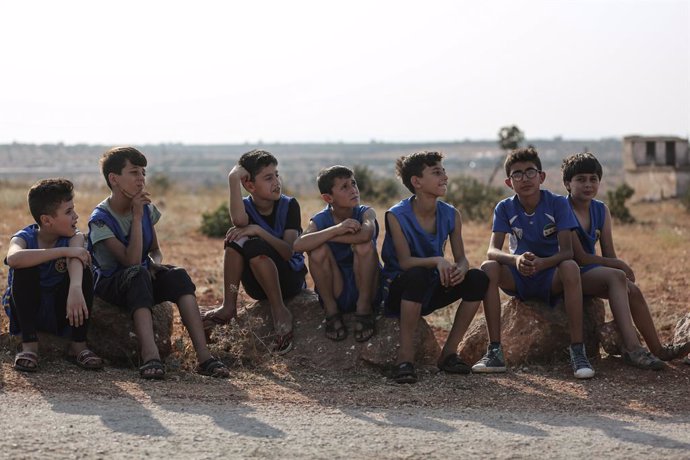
[[536, 232], [278, 230], [597, 217], [103, 215], [341, 251], [421, 243], [51, 272]]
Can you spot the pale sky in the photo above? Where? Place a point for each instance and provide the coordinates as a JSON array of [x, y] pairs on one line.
[[325, 71]]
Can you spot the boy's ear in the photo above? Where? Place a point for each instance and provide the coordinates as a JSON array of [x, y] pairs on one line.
[[327, 197], [542, 176], [112, 178], [45, 220], [566, 183], [508, 182], [248, 185], [415, 181]]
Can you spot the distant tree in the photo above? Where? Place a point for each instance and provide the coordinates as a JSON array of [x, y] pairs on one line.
[[475, 199], [509, 138], [616, 201], [374, 188]]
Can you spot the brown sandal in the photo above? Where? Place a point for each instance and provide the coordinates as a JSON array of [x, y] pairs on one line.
[[87, 359], [30, 357]]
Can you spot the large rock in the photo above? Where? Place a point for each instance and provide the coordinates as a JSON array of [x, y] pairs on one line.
[[532, 332], [682, 333], [311, 347], [111, 332]]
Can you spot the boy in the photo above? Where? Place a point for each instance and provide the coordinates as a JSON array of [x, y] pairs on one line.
[[419, 278], [258, 248], [607, 276], [127, 260], [539, 264], [50, 284], [341, 242]]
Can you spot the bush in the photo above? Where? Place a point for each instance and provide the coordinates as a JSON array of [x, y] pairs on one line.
[[616, 202], [374, 188], [216, 223], [475, 199]]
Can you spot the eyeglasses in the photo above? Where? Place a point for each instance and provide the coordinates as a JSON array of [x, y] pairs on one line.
[[529, 173]]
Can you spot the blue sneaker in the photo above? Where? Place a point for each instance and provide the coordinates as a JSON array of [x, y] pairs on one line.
[[492, 362]]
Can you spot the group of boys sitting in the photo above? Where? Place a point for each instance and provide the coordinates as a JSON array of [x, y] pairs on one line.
[[54, 272]]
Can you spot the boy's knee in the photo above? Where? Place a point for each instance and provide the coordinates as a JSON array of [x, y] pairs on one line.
[[633, 289], [318, 255], [569, 271], [492, 269], [479, 280], [260, 261]]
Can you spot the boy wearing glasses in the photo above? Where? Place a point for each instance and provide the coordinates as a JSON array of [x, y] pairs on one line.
[[539, 263]]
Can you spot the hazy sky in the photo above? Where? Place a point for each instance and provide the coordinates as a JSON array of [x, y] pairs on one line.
[[235, 71]]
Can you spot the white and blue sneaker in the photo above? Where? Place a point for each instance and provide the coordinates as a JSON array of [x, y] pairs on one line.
[[492, 362], [578, 359]]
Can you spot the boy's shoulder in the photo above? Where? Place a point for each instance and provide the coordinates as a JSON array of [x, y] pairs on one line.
[[27, 233]]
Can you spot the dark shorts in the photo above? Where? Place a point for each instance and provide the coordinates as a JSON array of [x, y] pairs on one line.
[[422, 285], [291, 281], [134, 287], [347, 300]]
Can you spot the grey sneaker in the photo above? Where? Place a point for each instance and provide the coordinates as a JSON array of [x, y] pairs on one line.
[[578, 359], [643, 359], [492, 362]]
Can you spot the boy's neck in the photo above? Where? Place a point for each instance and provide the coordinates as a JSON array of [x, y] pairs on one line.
[[340, 213], [265, 207], [120, 203], [424, 204], [45, 238], [530, 202], [580, 205]]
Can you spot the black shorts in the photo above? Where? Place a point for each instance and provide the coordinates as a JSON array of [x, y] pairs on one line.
[[134, 287], [291, 281]]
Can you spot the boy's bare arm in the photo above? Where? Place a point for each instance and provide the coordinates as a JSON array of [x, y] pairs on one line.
[[565, 252], [402, 249], [236, 178], [496, 252], [364, 233], [313, 238], [155, 252], [284, 246], [76, 309], [20, 257], [462, 265]]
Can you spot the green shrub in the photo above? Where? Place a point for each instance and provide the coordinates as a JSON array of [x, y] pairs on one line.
[[475, 199], [373, 188], [616, 202], [216, 223]]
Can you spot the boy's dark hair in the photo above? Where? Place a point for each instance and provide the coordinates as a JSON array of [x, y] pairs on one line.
[[525, 154], [46, 195], [580, 163], [113, 161], [327, 176], [413, 165], [255, 160]]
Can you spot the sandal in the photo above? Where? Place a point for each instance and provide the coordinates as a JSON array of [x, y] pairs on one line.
[[157, 366], [670, 352], [643, 359], [405, 373], [282, 344], [454, 365], [333, 332], [213, 367], [31, 361], [367, 327], [86, 359]]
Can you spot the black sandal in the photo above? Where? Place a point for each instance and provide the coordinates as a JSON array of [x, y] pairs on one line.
[[156, 365], [405, 373], [454, 365], [213, 367], [334, 333], [367, 327]]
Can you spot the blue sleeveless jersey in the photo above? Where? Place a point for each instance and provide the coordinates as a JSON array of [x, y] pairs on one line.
[[278, 230], [421, 243], [341, 251], [589, 239], [51, 273], [103, 215]]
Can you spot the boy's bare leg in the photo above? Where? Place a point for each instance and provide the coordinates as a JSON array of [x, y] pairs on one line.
[[610, 283], [567, 276], [189, 312], [365, 267], [463, 317], [323, 269], [410, 312], [643, 318], [498, 275], [143, 328], [233, 264], [266, 273]]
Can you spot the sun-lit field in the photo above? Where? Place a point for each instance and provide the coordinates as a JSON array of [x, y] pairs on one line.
[[656, 246]]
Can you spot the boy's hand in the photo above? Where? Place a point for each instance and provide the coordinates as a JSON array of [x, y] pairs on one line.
[[348, 226], [74, 252], [140, 200], [76, 310], [525, 264], [238, 172], [457, 274], [445, 270], [238, 232], [628, 271]]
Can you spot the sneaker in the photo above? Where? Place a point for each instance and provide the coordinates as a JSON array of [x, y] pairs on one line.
[[643, 359], [670, 352], [492, 362], [578, 359]]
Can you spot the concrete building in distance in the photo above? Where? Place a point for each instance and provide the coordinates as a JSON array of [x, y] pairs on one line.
[[657, 167]]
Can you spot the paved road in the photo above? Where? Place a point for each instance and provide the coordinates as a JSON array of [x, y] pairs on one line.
[[64, 426]]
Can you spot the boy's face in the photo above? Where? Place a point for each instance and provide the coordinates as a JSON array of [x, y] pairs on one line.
[[63, 222], [433, 180], [344, 193], [583, 186], [520, 181], [266, 184], [131, 180]]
